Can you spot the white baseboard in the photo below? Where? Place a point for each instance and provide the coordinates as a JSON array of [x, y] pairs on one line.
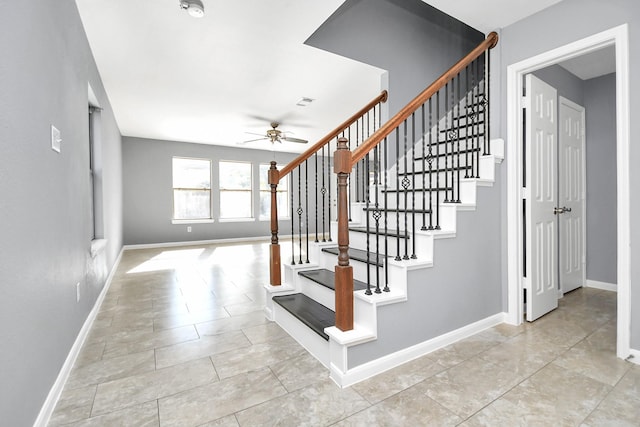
[[56, 390], [378, 366], [602, 285], [197, 242], [634, 356]]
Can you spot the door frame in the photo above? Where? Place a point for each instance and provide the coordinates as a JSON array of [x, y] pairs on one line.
[[619, 37], [583, 185]]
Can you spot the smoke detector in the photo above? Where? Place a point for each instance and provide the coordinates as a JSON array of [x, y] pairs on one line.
[[195, 8]]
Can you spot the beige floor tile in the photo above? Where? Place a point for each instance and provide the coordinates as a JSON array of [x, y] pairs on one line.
[[252, 357], [135, 343], [397, 379], [323, 404], [244, 308], [469, 386], [137, 389], [615, 410], [601, 365], [145, 415], [264, 333], [90, 353], [467, 348], [554, 393], [197, 349], [73, 405], [213, 401], [229, 421], [111, 369], [408, 408], [299, 372], [229, 324], [169, 322]]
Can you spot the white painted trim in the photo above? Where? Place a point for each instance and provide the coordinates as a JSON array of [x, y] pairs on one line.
[[601, 285], [390, 361], [619, 37], [56, 390], [634, 356], [196, 243]]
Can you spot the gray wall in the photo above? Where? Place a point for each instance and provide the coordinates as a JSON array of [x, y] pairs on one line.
[[446, 297], [45, 224], [416, 44], [567, 84], [600, 105], [413, 41], [550, 29], [148, 197]]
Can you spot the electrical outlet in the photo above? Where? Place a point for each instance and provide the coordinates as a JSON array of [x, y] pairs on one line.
[[78, 292], [189, 229]]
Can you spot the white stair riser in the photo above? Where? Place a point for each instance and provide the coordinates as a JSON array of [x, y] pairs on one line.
[[311, 341], [317, 292]]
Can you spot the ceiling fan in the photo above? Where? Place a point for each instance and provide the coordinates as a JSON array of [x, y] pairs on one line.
[[275, 135]]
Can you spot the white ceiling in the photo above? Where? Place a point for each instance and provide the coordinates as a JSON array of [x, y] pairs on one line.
[[594, 64], [211, 80]]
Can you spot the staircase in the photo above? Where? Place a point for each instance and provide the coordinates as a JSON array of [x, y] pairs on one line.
[[399, 188]]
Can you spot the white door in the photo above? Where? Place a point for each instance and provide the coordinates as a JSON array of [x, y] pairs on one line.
[[541, 192], [571, 195]]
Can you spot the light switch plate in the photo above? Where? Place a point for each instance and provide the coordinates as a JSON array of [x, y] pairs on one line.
[[56, 139]]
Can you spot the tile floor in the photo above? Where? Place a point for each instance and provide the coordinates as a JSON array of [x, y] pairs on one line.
[[181, 339]]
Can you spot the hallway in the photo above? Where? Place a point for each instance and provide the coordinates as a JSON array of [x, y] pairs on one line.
[[181, 339]]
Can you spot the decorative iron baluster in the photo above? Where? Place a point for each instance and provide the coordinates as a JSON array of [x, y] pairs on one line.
[[349, 195], [487, 85], [466, 126], [405, 187], [329, 194], [477, 104], [299, 212], [323, 191], [446, 139], [306, 201], [430, 161], [386, 213], [424, 170], [457, 109], [316, 173], [376, 213], [357, 166], [413, 188], [293, 232], [437, 158], [367, 227], [397, 194]]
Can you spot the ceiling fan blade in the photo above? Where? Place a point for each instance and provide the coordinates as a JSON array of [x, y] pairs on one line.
[[251, 140], [292, 139], [259, 134]]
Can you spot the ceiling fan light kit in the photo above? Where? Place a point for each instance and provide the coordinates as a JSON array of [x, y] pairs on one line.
[[194, 8], [276, 135]]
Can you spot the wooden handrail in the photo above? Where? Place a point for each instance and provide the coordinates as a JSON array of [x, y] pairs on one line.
[[324, 141], [384, 131]]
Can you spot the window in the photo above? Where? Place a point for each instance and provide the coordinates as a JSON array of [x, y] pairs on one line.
[[282, 195], [235, 190], [191, 189], [95, 174]]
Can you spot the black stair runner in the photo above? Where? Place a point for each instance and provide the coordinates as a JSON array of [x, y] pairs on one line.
[[313, 314], [326, 278], [359, 255]]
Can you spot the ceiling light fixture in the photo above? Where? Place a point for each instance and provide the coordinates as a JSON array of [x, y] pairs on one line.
[[195, 8]]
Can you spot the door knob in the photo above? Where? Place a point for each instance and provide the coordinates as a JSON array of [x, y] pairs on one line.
[[557, 211]]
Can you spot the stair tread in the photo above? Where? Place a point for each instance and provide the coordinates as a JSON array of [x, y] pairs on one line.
[[372, 230], [326, 278], [358, 255], [313, 314]]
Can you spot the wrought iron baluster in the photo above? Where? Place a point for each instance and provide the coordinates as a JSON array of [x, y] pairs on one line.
[[376, 213], [487, 85], [293, 233], [466, 127], [367, 228], [405, 189], [424, 169], [397, 193], [306, 201], [386, 215], [457, 109], [430, 162], [357, 165], [329, 176], [349, 189], [446, 139], [316, 192], [477, 104], [299, 212], [323, 190], [413, 188], [437, 158]]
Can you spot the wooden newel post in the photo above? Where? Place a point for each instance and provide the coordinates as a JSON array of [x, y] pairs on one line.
[[274, 249], [343, 271]]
